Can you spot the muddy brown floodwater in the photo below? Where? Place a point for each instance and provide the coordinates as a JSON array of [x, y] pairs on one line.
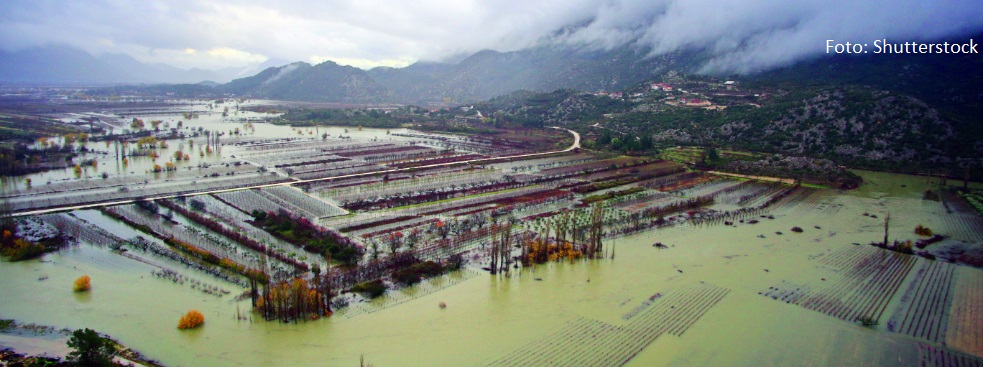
[[705, 300]]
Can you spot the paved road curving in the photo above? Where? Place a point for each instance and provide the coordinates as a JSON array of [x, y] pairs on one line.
[[575, 145]]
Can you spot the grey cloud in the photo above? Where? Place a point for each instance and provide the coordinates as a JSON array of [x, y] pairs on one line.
[[739, 35], [746, 36]]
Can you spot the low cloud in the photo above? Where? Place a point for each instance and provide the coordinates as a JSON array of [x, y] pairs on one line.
[[739, 35]]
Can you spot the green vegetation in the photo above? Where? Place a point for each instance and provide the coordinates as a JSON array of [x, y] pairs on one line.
[[17, 159], [16, 248], [90, 349], [370, 289], [415, 273], [302, 232], [29, 129], [7, 324], [975, 199], [611, 195], [857, 126], [867, 321], [372, 118]]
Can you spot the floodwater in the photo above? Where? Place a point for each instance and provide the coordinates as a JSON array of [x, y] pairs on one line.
[[140, 167], [490, 319]]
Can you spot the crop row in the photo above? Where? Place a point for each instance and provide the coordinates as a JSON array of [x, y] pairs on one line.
[[964, 332], [313, 207], [534, 165], [922, 312], [233, 235], [219, 247], [844, 257], [586, 342], [69, 225], [448, 183], [183, 255], [337, 172], [787, 292], [63, 199], [327, 167], [247, 201], [442, 159], [237, 220], [96, 235], [932, 356], [865, 289]]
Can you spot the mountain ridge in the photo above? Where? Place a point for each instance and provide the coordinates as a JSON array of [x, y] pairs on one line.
[[65, 64]]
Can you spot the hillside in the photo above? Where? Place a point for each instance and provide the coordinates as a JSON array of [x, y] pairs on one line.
[[860, 126]]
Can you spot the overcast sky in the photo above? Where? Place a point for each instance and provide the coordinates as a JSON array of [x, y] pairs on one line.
[[742, 34]]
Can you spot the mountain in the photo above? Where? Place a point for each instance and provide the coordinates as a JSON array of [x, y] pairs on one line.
[[58, 64], [481, 76], [487, 74], [299, 81]]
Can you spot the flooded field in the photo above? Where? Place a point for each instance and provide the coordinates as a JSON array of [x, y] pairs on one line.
[[715, 294]]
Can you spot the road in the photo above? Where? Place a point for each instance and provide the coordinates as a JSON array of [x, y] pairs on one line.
[[575, 145]]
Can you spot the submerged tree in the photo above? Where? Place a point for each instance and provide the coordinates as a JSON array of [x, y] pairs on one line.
[[596, 232]]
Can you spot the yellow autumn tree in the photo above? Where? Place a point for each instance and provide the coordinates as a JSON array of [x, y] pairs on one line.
[[191, 320], [82, 284]]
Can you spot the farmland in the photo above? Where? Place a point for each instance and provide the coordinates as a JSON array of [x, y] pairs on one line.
[[523, 253]]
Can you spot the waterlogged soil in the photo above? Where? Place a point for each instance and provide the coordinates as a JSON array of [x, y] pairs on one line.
[[492, 319]]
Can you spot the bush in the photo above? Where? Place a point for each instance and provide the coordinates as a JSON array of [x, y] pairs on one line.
[[867, 321], [191, 320], [923, 231], [82, 284], [21, 249], [370, 289], [147, 205], [416, 272], [196, 204], [455, 261]]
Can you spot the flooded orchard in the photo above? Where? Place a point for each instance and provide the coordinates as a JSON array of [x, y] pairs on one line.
[[714, 294]]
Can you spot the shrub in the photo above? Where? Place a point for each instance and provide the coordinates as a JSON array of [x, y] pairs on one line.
[[867, 321], [191, 320], [147, 205], [923, 231], [416, 272], [196, 204], [20, 249], [82, 284], [370, 289], [454, 262]]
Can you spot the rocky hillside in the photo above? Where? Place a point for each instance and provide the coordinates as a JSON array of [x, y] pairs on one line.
[[857, 126]]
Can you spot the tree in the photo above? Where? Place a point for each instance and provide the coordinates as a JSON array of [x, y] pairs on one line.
[[191, 320], [82, 284], [137, 124], [395, 242], [90, 349], [712, 155]]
